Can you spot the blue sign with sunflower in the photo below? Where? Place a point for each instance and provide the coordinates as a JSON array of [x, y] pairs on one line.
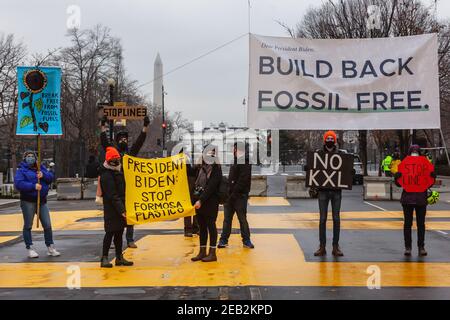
[[39, 109]]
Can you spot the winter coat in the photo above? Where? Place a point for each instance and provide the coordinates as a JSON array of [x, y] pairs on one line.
[[210, 198], [132, 152], [92, 169], [239, 180], [25, 181], [113, 190]]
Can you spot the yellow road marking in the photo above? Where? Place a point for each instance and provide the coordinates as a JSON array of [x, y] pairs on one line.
[[4, 239], [277, 260], [268, 201], [69, 221]]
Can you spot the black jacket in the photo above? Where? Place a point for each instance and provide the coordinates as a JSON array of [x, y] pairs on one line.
[[210, 198], [113, 190], [92, 169], [137, 145], [239, 180]]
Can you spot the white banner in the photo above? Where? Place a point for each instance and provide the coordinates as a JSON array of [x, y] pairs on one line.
[[351, 84]]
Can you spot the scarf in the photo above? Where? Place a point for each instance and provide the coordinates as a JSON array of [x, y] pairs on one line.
[[203, 175], [109, 167]]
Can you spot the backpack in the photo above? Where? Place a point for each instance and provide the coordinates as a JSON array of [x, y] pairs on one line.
[[223, 190]]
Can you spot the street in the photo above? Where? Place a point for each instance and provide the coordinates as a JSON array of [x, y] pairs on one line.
[[282, 266]]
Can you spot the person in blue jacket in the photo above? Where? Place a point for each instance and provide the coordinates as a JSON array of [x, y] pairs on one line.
[[26, 181]]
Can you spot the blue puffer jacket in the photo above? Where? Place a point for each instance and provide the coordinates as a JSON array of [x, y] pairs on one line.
[[25, 181]]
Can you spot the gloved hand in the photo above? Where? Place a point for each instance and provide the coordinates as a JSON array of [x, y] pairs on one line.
[[146, 121], [433, 175], [397, 175], [104, 120]]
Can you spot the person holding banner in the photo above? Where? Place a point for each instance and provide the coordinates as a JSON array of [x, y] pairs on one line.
[[26, 181], [112, 182], [206, 200], [414, 201], [122, 146], [325, 196]]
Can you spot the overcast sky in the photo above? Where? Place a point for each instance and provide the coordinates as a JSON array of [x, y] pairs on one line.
[[211, 89]]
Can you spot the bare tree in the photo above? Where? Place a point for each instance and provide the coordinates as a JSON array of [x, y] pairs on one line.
[[12, 53], [348, 19]]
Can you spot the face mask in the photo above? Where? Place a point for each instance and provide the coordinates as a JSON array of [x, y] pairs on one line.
[[123, 145], [329, 144], [30, 160], [414, 154]]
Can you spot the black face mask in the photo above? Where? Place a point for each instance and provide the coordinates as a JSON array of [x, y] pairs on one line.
[[329, 144], [123, 145]]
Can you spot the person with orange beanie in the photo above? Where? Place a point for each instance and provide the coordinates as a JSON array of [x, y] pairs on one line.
[[326, 196], [112, 183]]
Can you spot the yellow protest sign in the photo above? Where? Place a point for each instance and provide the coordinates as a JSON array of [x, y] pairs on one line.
[[156, 189]]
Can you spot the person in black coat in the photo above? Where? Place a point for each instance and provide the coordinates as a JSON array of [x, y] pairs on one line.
[[206, 204], [239, 182], [121, 143], [92, 168], [112, 182]]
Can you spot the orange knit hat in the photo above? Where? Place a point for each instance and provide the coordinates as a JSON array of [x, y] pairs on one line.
[[111, 154], [328, 134]]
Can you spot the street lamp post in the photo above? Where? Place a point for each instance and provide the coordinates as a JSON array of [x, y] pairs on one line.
[[164, 126], [111, 84]]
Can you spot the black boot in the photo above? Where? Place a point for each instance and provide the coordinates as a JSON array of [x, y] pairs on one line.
[[104, 263], [407, 252], [200, 255], [422, 252], [211, 256], [121, 261], [337, 251], [321, 251]]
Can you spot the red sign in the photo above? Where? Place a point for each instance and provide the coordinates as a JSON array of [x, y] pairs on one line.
[[416, 174]]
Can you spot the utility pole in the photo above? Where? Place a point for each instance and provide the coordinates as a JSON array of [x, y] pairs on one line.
[[111, 84]]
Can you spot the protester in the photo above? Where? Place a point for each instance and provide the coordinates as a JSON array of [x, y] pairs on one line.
[[414, 201], [207, 203], [386, 165], [113, 189], [92, 167], [26, 181], [239, 182], [122, 146], [325, 196]]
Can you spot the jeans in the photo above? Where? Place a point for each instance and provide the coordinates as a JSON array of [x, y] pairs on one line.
[[335, 197], [130, 233], [408, 213], [28, 211], [238, 206]]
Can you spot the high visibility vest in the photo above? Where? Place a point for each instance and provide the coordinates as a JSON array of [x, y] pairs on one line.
[[386, 164]]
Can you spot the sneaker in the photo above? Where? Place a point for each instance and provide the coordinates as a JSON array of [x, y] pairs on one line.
[[32, 253], [222, 244], [408, 252], [52, 251], [248, 244], [188, 234], [132, 245]]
